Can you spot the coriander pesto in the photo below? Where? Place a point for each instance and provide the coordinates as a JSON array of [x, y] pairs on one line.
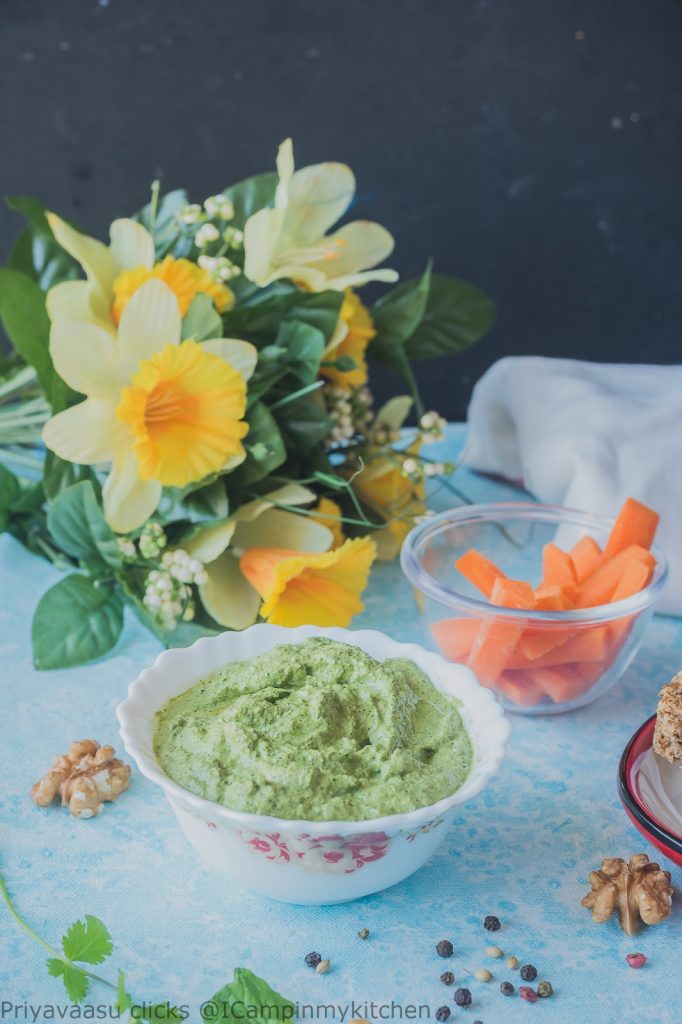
[[316, 730]]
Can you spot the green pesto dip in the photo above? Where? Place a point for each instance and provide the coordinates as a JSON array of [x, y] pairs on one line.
[[316, 730]]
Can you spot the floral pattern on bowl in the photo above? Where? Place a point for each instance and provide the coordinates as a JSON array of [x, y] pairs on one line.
[[334, 854]]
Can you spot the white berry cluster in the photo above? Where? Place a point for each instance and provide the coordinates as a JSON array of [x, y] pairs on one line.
[[417, 469], [349, 411], [219, 266], [432, 427], [127, 548], [217, 207], [167, 591], [152, 541]]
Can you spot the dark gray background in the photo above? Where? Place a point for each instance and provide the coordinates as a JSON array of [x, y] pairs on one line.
[[531, 146]]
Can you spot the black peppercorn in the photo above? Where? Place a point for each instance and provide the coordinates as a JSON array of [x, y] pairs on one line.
[[443, 1013], [506, 988], [444, 948], [528, 972], [313, 960], [492, 923], [463, 997], [448, 978]]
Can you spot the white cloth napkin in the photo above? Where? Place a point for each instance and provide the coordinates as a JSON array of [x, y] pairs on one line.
[[586, 435]]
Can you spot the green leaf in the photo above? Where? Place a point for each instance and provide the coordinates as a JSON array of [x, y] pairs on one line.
[[25, 320], [75, 980], [32, 209], [37, 252], [304, 423], [75, 622], [77, 524], [123, 998], [264, 444], [304, 347], [259, 320], [10, 490], [59, 474], [201, 321], [398, 313], [249, 997], [88, 941], [250, 195], [194, 504], [457, 314]]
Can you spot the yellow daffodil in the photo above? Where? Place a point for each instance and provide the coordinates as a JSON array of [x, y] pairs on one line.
[[329, 514], [115, 272], [353, 334], [383, 487], [291, 240], [227, 594], [299, 588], [162, 411]]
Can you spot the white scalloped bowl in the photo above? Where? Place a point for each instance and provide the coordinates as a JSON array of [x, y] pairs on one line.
[[309, 862]]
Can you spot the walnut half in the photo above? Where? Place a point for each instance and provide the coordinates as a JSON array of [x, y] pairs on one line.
[[85, 778], [639, 890]]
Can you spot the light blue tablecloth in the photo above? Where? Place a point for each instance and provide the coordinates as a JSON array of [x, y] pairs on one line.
[[523, 851]]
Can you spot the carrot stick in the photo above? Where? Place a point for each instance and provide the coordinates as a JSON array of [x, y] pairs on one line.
[[636, 524], [536, 642], [562, 683], [496, 640], [586, 555], [555, 599], [520, 688], [599, 588], [584, 645], [636, 576], [455, 637], [557, 567], [479, 570]]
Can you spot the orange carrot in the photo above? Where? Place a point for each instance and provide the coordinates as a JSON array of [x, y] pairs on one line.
[[455, 637], [557, 567], [479, 570], [636, 576], [583, 645], [562, 683], [520, 688], [496, 640], [586, 555], [599, 588], [536, 642], [555, 599], [636, 524]]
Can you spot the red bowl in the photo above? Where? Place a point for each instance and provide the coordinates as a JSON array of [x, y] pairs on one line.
[[669, 843]]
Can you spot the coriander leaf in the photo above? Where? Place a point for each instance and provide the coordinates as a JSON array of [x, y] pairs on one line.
[[123, 999], [251, 998], [89, 941], [74, 978]]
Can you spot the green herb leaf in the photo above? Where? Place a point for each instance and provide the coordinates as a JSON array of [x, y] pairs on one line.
[[75, 622], [248, 997], [250, 195], [123, 998], [77, 524], [75, 980], [88, 941], [457, 314], [201, 321]]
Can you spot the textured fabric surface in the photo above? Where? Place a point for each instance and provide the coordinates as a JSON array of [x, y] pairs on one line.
[[521, 850], [587, 436]]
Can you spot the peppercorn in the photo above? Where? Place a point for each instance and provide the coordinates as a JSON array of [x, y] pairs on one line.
[[363, 933], [528, 994], [636, 960], [494, 951], [492, 923], [444, 948], [483, 974], [506, 988], [323, 966], [528, 972], [463, 997], [443, 1013], [512, 963], [313, 960], [448, 978], [545, 989]]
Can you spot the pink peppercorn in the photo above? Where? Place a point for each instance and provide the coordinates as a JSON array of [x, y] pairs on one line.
[[528, 994], [636, 960]]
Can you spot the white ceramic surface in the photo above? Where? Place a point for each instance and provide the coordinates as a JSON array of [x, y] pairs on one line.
[[309, 862]]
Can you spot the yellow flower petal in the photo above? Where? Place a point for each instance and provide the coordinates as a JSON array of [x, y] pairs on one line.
[[70, 300], [131, 244], [227, 595], [322, 589], [95, 258], [278, 528], [184, 278], [261, 235], [319, 195], [329, 514], [359, 332], [184, 412], [86, 357], [359, 245], [384, 489], [150, 321], [128, 500], [85, 433]]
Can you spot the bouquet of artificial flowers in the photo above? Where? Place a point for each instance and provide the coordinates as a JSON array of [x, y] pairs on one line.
[[211, 452]]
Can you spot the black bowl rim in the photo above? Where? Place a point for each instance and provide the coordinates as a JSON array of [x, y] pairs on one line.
[[661, 833]]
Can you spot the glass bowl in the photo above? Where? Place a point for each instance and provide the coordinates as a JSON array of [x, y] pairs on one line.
[[583, 651]]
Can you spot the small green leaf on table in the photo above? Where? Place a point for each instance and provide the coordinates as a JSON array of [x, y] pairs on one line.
[[248, 997], [75, 980], [88, 941]]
